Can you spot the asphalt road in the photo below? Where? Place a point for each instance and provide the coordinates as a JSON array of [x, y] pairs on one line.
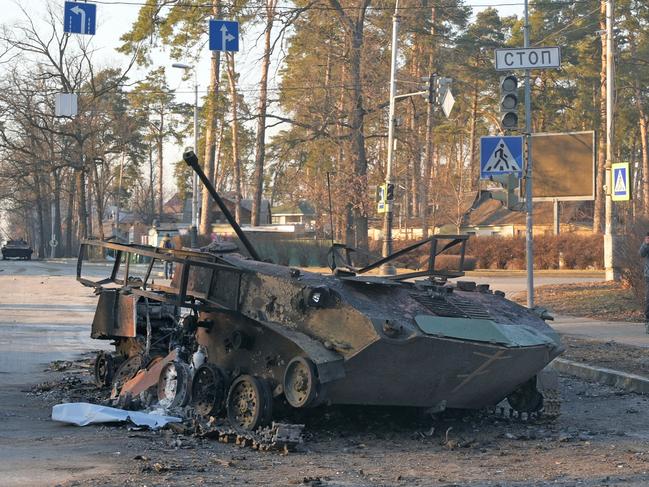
[[512, 284]]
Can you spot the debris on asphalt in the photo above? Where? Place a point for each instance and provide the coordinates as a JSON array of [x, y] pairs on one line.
[[82, 414]]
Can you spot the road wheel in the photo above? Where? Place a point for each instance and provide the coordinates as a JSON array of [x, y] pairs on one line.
[[208, 390], [526, 398], [104, 369], [300, 382], [174, 384], [127, 370], [249, 403]]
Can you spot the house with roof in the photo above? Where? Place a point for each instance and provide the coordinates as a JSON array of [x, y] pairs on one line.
[[179, 210], [302, 213], [489, 217]]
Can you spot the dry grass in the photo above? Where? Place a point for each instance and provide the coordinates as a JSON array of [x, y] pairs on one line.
[[599, 300]]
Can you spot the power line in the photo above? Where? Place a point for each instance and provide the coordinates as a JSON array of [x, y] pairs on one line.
[[291, 8]]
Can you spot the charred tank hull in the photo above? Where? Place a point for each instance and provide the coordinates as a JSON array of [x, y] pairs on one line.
[[372, 340], [257, 332]]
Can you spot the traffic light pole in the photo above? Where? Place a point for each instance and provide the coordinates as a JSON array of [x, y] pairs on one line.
[[388, 216], [529, 243]]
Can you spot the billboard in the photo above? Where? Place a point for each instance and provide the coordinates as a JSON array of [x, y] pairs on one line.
[[563, 166]]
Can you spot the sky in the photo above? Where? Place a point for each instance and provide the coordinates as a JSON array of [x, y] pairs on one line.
[[115, 17]]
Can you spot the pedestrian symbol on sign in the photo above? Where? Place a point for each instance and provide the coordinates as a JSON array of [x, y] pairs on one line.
[[620, 181], [501, 160], [620, 185]]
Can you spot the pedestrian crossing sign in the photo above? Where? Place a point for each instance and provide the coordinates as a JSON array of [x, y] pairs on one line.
[[501, 155], [620, 182]]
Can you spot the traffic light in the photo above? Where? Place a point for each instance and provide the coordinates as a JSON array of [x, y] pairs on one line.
[[509, 102], [389, 193], [430, 87]]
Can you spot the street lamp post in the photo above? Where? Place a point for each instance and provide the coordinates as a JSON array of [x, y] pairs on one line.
[[193, 231]]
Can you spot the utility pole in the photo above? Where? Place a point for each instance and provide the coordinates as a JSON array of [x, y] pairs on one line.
[[610, 264], [388, 216], [529, 226]]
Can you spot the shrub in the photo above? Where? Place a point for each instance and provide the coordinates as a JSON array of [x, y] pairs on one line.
[[577, 252], [631, 264]]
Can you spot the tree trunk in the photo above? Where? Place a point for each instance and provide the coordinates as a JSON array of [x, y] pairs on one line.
[[235, 138], [159, 141], [260, 144], [42, 238], [205, 227], [151, 189], [69, 224], [357, 120], [99, 201], [642, 116], [81, 206], [601, 146], [57, 213], [219, 173], [474, 163], [88, 185]]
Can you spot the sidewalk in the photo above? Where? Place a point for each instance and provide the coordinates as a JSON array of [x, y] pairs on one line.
[[604, 331]]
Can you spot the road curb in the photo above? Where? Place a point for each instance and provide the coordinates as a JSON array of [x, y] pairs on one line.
[[616, 378]]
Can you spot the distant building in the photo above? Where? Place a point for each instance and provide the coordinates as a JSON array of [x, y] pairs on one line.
[[180, 211], [490, 218], [127, 230], [158, 232], [302, 213]]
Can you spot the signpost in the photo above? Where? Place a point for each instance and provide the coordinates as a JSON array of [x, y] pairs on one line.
[[65, 105], [621, 181], [528, 58], [224, 35], [447, 103], [564, 166], [501, 155], [80, 18]]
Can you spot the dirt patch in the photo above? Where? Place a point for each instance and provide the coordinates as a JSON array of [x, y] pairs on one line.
[[600, 300], [612, 355]]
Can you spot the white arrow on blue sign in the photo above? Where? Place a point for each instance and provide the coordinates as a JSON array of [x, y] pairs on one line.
[[80, 18], [224, 35], [501, 155]]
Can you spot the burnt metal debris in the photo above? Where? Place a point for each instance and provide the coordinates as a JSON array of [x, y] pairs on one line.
[[231, 336], [17, 249]]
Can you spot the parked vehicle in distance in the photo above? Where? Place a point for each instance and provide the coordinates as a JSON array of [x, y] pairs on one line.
[[17, 249]]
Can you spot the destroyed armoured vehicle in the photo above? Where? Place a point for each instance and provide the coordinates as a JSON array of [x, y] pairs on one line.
[[17, 249], [258, 333]]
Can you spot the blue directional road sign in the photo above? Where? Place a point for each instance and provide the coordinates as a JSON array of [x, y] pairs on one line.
[[80, 18], [501, 155], [224, 35], [621, 182]]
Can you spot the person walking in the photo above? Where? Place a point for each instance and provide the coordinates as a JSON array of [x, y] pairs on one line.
[[644, 252], [167, 244]]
